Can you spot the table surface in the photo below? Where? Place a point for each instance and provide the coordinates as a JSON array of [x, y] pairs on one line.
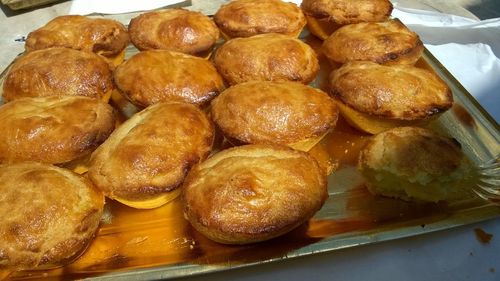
[[454, 254]]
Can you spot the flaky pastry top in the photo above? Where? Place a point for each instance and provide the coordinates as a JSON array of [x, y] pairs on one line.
[[266, 57], [49, 215], [53, 129], [388, 42], [412, 151], [252, 193], [398, 91], [106, 37], [151, 153], [245, 18], [273, 112], [58, 72], [156, 76], [348, 11], [173, 29]]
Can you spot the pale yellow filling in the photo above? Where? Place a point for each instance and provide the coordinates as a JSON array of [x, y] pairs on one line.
[[373, 124], [307, 144], [322, 29], [152, 203]]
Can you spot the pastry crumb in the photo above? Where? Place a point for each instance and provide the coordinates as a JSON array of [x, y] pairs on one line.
[[482, 236]]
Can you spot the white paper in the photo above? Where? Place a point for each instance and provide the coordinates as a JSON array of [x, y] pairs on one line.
[[86, 7]]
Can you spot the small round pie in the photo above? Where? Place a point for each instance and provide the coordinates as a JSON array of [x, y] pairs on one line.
[[266, 57], [156, 76], [53, 130], [253, 193], [174, 29], [58, 72], [325, 16], [245, 18], [49, 216], [145, 160], [105, 37], [374, 97], [388, 42], [287, 113], [412, 163]]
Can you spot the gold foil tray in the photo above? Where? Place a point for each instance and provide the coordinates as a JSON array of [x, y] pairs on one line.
[[160, 243]]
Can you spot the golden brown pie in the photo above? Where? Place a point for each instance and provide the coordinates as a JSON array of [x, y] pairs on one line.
[[145, 160], [417, 164], [266, 57], [174, 29], [245, 18], [287, 113], [49, 216], [156, 76], [253, 193], [388, 42], [374, 97], [58, 72], [105, 37], [53, 130]]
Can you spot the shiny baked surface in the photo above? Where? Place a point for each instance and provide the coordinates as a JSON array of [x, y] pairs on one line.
[[266, 57], [245, 18], [173, 29], [348, 11], [53, 129], [106, 37], [414, 163], [253, 193], [161, 75], [273, 112], [49, 215], [58, 72], [387, 42], [151, 153], [398, 92]]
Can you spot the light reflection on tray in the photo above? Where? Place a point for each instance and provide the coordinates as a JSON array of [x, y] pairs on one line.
[[160, 243]]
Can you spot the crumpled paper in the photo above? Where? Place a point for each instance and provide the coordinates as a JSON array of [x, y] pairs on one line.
[[87, 7]]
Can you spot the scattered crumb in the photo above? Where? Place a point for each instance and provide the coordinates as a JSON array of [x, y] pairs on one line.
[[492, 269], [422, 225], [471, 254], [483, 236]]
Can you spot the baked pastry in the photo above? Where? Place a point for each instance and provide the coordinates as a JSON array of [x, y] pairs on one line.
[[287, 113], [266, 57], [50, 215], [374, 97], [105, 37], [58, 72], [387, 42], [174, 29], [326, 16], [160, 75], [412, 163], [53, 130], [145, 160], [253, 193], [245, 18]]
